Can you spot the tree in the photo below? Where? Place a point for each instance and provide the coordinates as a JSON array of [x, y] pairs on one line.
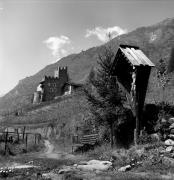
[[104, 95], [163, 77]]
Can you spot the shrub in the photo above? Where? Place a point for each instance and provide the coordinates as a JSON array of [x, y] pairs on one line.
[[146, 139]]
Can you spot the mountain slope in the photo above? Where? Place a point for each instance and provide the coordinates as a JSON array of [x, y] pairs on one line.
[[156, 41]]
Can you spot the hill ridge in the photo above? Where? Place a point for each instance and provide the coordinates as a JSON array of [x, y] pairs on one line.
[[156, 41]]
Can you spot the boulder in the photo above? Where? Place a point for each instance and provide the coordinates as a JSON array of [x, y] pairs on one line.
[[124, 168], [172, 131], [161, 150], [171, 136], [171, 120], [169, 149], [65, 170], [83, 163], [168, 161], [172, 155], [98, 171], [169, 142], [163, 121], [95, 165], [155, 137], [171, 126], [99, 162]]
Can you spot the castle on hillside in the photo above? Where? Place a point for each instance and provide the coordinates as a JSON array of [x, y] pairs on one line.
[[51, 87]]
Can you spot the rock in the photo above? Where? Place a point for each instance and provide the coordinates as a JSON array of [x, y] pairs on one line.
[[65, 170], [98, 162], [163, 120], [171, 126], [124, 168], [168, 161], [169, 149], [165, 136], [171, 136], [172, 155], [83, 163], [161, 149], [30, 162], [155, 137], [171, 120], [95, 165], [138, 163], [169, 142], [172, 131], [98, 171]]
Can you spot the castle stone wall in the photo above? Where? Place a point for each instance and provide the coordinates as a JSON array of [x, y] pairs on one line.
[[53, 86]]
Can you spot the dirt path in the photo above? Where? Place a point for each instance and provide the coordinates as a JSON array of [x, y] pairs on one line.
[[49, 147], [53, 153]]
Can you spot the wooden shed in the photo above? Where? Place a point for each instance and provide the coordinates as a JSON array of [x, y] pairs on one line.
[[132, 70]]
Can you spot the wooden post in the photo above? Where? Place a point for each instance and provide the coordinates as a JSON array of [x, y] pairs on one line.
[[23, 133], [6, 141], [26, 138], [135, 137], [137, 123], [35, 139], [111, 135], [39, 138], [17, 132], [141, 133]]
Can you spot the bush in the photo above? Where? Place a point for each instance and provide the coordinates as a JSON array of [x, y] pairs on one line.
[[146, 139], [35, 147], [103, 152]]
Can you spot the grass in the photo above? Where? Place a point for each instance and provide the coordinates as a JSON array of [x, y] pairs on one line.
[[44, 166], [20, 147], [147, 154]]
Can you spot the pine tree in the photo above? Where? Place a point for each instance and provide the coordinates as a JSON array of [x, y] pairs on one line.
[[105, 97]]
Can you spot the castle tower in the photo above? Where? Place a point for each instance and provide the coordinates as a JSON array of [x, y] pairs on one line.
[[51, 87], [36, 98], [61, 72], [56, 73]]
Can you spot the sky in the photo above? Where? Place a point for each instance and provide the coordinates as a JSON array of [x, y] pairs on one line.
[[35, 33]]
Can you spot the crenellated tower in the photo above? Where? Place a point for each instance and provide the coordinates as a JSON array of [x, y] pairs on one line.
[[61, 72], [52, 86]]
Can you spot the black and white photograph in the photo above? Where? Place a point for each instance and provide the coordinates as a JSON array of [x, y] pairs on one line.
[[87, 89]]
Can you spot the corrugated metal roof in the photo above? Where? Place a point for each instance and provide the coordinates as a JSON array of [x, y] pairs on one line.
[[136, 56]]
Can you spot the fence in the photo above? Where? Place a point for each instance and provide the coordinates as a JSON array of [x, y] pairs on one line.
[[16, 138]]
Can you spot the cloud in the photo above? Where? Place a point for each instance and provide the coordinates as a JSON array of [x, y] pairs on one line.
[[102, 33], [58, 45]]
